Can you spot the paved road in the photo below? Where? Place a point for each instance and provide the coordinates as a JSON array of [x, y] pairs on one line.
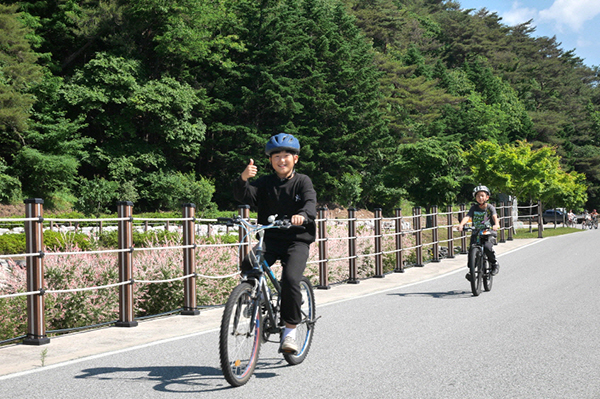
[[535, 335]]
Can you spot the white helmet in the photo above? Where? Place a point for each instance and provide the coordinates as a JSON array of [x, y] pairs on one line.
[[481, 188]]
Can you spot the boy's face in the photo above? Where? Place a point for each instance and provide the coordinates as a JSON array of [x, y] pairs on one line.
[[481, 197], [283, 163]]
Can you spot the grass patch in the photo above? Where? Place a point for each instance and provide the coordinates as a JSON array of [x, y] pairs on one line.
[[548, 232]]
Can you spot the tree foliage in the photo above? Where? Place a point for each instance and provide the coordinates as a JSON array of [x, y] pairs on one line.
[[526, 173]]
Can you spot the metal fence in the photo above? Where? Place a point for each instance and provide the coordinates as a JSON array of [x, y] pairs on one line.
[[388, 239]]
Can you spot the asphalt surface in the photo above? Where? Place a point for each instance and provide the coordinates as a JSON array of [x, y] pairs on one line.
[[419, 334]]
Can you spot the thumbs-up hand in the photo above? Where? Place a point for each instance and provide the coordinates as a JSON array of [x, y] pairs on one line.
[[250, 170]]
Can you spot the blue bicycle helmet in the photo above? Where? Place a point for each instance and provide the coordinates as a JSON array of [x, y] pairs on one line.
[[282, 142]]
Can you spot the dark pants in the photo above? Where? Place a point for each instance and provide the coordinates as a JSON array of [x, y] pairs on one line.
[[293, 256], [488, 248]]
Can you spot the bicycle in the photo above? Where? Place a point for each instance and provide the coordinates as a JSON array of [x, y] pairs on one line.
[[479, 267], [251, 313], [586, 223]]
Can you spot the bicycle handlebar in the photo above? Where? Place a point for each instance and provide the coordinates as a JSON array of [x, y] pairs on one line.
[[273, 223], [487, 231]]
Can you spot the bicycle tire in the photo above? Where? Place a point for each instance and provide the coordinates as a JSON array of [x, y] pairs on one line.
[[475, 269], [240, 336], [488, 278], [304, 330]]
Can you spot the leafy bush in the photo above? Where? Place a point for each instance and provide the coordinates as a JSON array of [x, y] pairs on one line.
[[12, 244], [58, 241], [168, 191], [53, 241], [97, 196]]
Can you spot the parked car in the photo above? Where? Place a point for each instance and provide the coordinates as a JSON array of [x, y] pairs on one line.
[[554, 216]]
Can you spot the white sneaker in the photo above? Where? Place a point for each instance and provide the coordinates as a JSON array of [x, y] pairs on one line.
[[288, 345]]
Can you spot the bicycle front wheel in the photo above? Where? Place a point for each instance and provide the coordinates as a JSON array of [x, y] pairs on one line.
[[240, 336], [488, 278], [304, 330], [475, 259]]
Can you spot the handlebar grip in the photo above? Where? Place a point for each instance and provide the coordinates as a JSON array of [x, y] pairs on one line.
[[225, 221]]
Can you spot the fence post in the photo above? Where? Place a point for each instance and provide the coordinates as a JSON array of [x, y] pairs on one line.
[[502, 221], [435, 234], [323, 278], [244, 213], [510, 220], [540, 221], [34, 241], [378, 246], [418, 236], [126, 316], [530, 216], [190, 307], [463, 234], [399, 255], [352, 279], [450, 232]]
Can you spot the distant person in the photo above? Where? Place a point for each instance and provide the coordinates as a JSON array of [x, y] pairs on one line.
[[571, 218]]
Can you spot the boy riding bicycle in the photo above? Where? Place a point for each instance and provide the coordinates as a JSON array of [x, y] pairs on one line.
[[289, 195], [483, 215]]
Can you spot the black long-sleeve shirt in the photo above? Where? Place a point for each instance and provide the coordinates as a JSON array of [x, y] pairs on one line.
[[270, 195]]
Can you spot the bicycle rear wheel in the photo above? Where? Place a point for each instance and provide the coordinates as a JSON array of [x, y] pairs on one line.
[[304, 330], [240, 336], [475, 258]]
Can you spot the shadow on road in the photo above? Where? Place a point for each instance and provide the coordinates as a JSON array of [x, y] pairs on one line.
[[179, 379], [438, 295]]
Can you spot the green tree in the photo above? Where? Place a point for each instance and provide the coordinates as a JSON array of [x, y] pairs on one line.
[[430, 170], [307, 71], [137, 126], [18, 73], [528, 174], [10, 187]]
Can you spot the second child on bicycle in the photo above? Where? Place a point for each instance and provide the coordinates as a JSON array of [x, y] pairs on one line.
[[483, 216], [290, 195]]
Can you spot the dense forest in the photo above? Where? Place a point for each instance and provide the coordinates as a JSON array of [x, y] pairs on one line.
[[162, 103]]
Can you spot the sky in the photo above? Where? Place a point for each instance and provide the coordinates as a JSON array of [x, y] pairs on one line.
[[575, 23]]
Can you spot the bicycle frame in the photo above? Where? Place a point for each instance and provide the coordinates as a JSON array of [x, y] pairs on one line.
[[261, 294]]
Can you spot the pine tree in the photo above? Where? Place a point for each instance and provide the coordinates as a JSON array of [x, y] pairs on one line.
[[18, 73]]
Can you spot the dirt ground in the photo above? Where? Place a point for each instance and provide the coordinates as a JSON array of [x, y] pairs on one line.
[[338, 212], [11, 210]]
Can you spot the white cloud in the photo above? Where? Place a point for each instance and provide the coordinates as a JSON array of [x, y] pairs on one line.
[[518, 14], [572, 13]]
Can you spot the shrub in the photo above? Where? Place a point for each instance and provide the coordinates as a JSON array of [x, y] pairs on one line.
[[12, 244], [168, 191]]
